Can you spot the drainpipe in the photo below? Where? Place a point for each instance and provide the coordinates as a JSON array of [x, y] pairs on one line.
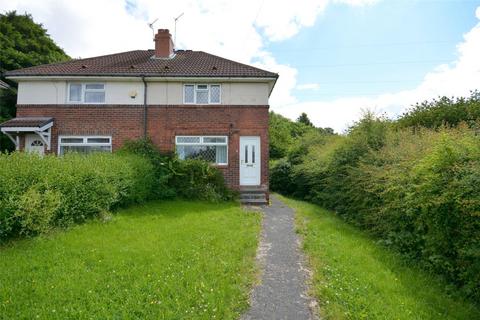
[[144, 107]]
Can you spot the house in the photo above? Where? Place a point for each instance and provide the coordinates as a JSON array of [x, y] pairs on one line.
[[197, 104]]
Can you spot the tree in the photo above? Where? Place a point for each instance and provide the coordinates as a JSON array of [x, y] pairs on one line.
[[305, 120], [285, 133], [23, 43]]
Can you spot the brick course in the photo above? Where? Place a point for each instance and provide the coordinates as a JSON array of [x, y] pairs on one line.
[[164, 122]]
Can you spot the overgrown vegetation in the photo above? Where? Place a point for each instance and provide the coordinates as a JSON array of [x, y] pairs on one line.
[[414, 188], [169, 259], [23, 43], [41, 193], [37, 194], [283, 133], [188, 179], [356, 278], [444, 111]]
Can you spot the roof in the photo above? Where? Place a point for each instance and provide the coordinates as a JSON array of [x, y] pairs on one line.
[[26, 122], [185, 63], [4, 85]]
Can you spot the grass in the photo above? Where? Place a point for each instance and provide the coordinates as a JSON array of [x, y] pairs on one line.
[[162, 260], [355, 278]]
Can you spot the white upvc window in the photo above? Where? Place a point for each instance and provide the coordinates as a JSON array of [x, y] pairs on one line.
[[88, 93], [213, 149], [202, 93], [84, 144]]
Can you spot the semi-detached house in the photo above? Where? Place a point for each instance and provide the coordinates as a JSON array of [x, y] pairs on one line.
[[191, 102]]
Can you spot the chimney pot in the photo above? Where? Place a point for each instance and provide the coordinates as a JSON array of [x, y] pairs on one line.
[[163, 44]]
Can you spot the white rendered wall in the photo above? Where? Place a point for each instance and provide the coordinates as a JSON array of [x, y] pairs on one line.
[[159, 93]]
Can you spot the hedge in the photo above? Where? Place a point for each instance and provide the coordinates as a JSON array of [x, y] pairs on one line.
[[37, 193], [417, 191], [40, 193]]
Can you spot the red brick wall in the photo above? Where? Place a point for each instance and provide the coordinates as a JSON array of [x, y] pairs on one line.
[[163, 124]]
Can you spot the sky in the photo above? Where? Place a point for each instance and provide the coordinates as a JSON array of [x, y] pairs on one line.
[[335, 58]]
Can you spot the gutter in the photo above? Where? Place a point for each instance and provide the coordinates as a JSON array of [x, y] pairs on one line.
[[145, 109], [122, 77]]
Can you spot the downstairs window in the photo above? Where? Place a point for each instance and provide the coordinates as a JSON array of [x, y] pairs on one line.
[[213, 149], [82, 144]]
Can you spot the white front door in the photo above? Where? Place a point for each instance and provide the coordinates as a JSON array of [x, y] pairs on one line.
[[34, 144], [250, 165]]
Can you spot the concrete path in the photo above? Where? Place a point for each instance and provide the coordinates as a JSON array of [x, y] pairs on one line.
[[282, 293]]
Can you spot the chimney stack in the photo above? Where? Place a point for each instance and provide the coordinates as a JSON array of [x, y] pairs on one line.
[[163, 44]]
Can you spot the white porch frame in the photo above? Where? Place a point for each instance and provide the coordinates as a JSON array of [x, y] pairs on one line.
[[44, 132]]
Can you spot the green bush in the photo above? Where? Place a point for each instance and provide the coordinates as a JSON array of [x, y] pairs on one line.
[[197, 179], [40, 193], [189, 179], [37, 193], [280, 176], [444, 111], [163, 164], [415, 190]]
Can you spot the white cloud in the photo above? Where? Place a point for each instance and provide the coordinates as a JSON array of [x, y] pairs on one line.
[[237, 30], [308, 86], [456, 79]]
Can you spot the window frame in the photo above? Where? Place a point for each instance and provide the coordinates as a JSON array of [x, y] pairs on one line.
[[83, 143], [195, 89], [202, 143], [84, 90]]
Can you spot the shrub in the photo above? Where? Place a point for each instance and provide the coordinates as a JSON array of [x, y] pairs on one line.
[[280, 176], [415, 190], [163, 165], [39, 193], [444, 111], [36, 210], [189, 179], [197, 179]]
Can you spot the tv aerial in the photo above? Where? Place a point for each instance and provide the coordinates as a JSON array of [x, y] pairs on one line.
[[175, 28], [150, 25]]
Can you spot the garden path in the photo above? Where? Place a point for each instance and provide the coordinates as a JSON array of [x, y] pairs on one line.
[[282, 293]]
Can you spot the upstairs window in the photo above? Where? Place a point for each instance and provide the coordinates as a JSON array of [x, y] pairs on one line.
[[91, 93], [202, 94]]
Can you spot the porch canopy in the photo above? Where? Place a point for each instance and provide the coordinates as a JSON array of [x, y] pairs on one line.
[[42, 126]]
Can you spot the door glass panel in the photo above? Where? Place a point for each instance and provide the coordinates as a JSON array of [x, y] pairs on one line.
[[246, 153], [253, 153], [37, 143]]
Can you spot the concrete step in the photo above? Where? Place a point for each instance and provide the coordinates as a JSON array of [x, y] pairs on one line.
[[253, 189], [252, 196], [254, 202]]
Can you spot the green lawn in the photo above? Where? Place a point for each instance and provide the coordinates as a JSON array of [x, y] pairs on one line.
[[355, 278], [165, 260]]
